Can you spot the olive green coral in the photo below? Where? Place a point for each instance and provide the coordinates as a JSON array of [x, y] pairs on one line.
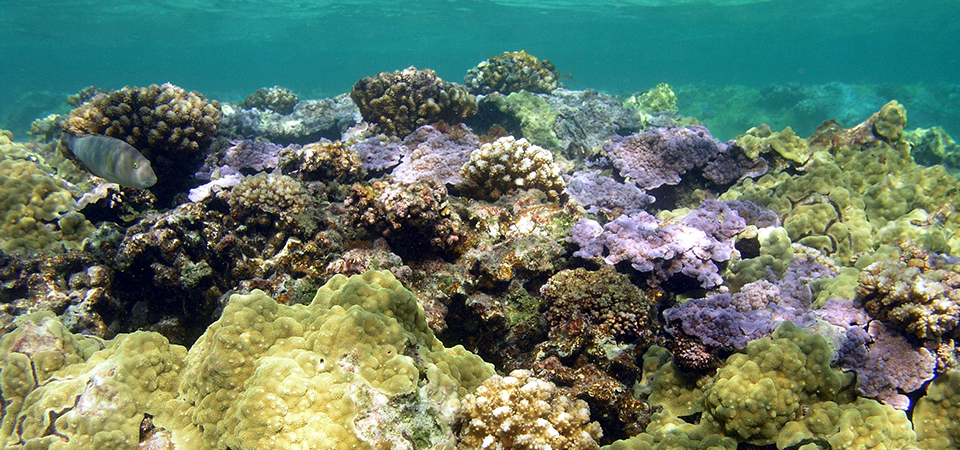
[[400, 102], [757, 392], [508, 165], [512, 72], [522, 412], [277, 99], [937, 414], [66, 391], [357, 368], [38, 210]]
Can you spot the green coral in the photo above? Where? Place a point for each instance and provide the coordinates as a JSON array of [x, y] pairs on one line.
[[937, 414], [537, 119], [277, 99], [755, 393], [357, 368], [39, 212], [858, 192], [658, 100], [762, 140], [863, 425]]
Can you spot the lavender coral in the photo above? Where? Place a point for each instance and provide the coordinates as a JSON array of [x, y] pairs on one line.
[[437, 152], [691, 245]]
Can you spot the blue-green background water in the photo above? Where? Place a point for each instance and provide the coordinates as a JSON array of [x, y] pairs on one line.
[[228, 48]]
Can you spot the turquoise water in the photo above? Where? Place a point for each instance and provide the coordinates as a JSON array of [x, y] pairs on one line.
[[226, 49]]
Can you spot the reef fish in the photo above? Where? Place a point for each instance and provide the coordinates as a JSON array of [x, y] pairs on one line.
[[113, 160]]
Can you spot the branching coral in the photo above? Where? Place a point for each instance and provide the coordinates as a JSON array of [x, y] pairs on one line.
[[508, 165], [522, 412]]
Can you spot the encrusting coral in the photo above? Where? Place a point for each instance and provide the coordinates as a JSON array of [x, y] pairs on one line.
[[357, 368], [522, 412], [399, 102], [512, 72], [508, 165]]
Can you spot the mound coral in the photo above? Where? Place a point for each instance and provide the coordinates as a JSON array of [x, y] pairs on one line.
[[401, 101], [322, 161], [522, 412], [409, 216], [512, 72], [39, 211], [357, 368], [508, 165], [167, 124], [277, 99]]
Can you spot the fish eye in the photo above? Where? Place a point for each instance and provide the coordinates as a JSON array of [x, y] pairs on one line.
[[136, 165]]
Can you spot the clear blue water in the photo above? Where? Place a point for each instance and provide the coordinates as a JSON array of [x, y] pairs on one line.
[[228, 48]]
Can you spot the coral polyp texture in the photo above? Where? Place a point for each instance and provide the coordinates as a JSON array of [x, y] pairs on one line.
[[691, 245], [508, 165], [522, 412], [917, 294], [399, 102], [167, 124], [277, 99], [39, 212], [357, 368], [512, 72]]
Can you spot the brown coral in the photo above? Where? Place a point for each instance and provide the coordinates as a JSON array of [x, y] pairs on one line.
[[167, 124], [917, 293], [322, 161], [277, 99], [411, 216], [512, 72], [401, 101]]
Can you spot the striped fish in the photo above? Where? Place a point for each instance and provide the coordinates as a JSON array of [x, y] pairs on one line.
[[113, 160]]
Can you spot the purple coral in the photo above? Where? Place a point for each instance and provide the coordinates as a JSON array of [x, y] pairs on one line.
[[887, 365], [437, 152], [598, 193], [691, 247], [661, 155]]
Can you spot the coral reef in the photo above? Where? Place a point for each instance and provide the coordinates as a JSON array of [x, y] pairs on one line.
[[39, 210], [690, 245], [436, 152], [512, 72], [410, 216], [603, 194], [937, 416], [401, 101], [661, 155], [508, 165], [522, 412], [309, 121], [167, 124], [277, 99], [322, 161], [917, 293], [357, 367]]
